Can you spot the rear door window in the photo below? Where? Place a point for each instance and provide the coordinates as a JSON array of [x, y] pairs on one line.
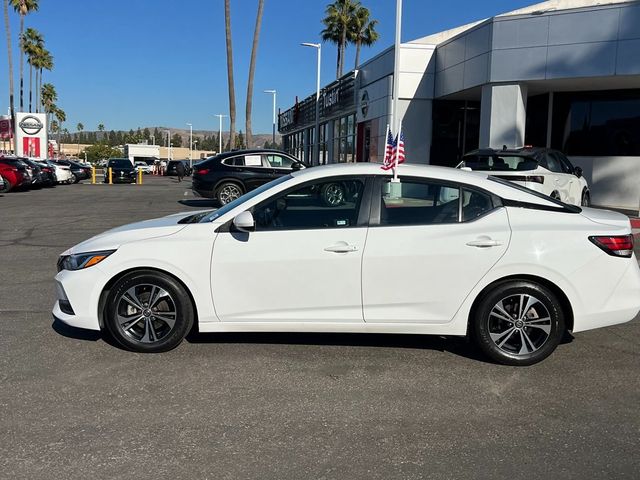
[[500, 163]]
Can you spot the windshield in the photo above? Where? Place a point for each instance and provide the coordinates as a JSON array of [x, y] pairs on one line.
[[244, 198], [499, 163], [120, 163]]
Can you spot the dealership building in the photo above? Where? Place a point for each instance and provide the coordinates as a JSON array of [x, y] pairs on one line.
[[564, 74]]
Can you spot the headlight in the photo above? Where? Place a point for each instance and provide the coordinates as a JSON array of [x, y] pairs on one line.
[[82, 260]]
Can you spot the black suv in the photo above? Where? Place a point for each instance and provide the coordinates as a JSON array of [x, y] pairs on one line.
[[229, 175], [122, 170], [171, 167]]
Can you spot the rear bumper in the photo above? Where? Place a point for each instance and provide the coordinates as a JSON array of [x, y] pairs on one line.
[[622, 305]]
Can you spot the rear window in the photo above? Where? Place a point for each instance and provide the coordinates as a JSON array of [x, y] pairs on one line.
[[499, 163], [120, 163]]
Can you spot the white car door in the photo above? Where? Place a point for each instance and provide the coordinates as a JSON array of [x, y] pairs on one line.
[[301, 264], [429, 250]]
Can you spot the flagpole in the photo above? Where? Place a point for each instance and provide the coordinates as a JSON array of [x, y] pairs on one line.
[[396, 65], [395, 157]]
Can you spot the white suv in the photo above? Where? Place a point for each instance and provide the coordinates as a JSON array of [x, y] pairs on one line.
[[541, 169]]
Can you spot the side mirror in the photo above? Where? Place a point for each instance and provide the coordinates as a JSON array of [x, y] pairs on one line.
[[244, 222], [297, 166], [578, 171]]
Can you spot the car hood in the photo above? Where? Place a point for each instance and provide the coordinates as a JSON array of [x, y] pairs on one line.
[[133, 232]]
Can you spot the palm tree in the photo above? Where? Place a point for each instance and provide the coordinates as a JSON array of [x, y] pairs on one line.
[[49, 97], [80, 128], [101, 129], [232, 90], [338, 22], [8, 29], [61, 117], [363, 31], [32, 43], [252, 68], [23, 7], [44, 61]]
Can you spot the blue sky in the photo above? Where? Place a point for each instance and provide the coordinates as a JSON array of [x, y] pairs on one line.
[[157, 62]]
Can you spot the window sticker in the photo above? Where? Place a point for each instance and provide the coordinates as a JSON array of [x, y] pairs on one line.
[[252, 161]]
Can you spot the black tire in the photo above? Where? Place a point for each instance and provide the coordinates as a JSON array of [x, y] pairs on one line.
[[76, 179], [157, 327], [6, 187], [333, 194], [555, 195], [586, 199], [526, 338], [226, 192]]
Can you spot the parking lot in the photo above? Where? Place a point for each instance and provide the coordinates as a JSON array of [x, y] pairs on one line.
[[280, 406]]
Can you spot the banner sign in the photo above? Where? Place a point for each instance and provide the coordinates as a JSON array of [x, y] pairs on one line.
[[6, 132], [31, 135]]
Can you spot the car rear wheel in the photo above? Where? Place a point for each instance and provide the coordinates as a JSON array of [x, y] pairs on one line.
[[555, 195], [148, 312], [518, 323], [586, 199], [228, 192]]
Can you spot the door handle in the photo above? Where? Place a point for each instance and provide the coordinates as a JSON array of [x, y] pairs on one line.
[[484, 243], [341, 247]]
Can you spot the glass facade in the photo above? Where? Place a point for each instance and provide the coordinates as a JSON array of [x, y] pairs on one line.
[[604, 123], [344, 139], [456, 130]]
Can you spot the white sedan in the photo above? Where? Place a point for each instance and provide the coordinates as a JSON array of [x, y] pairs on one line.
[[541, 169], [63, 172], [442, 252]]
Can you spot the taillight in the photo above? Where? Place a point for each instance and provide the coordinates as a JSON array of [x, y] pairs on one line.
[[202, 171], [617, 246]]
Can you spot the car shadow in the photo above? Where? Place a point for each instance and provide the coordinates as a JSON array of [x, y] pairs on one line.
[[456, 345], [200, 202]]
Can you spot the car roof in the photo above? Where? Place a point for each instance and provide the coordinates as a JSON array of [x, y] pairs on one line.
[[251, 151]]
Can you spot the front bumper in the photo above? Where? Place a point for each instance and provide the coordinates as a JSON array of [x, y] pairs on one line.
[[81, 290]]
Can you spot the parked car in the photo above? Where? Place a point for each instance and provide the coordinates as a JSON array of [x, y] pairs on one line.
[[15, 173], [231, 174], [171, 168], [39, 178], [63, 172], [49, 174], [122, 171], [442, 252], [78, 170], [541, 169], [144, 167]]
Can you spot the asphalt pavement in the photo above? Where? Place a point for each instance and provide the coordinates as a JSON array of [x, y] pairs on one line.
[[283, 406]]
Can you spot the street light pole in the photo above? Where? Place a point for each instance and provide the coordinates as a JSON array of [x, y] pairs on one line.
[[273, 135], [220, 134], [168, 145], [315, 159], [190, 144]]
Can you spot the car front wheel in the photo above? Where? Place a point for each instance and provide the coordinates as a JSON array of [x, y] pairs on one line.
[[586, 199], [148, 312], [333, 194], [6, 186], [518, 323]]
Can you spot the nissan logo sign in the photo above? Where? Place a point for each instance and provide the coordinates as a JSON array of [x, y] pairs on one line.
[[31, 125]]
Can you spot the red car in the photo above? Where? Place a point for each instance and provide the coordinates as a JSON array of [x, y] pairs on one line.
[[14, 174]]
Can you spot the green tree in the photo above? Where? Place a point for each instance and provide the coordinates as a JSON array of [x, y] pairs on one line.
[[49, 97], [23, 7], [146, 134], [363, 31], [232, 89], [80, 128], [7, 27], [239, 145], [338, 22], [252, 69], [176, 140], [101, 130], [100, 151], [42, 61]]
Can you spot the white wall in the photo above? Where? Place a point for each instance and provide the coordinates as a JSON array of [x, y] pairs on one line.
[[614, 181]]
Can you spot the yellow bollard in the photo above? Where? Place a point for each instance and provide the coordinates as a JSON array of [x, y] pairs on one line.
[[110, 176], [139, 176], [93, 175]]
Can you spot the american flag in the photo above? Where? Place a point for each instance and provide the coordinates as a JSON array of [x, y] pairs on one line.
[[387, 163], [398, 148]]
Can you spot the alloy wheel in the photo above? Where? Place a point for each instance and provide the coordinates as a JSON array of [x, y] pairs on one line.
[[333, 194], [229, 193], [519, 324], [146, 313]]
